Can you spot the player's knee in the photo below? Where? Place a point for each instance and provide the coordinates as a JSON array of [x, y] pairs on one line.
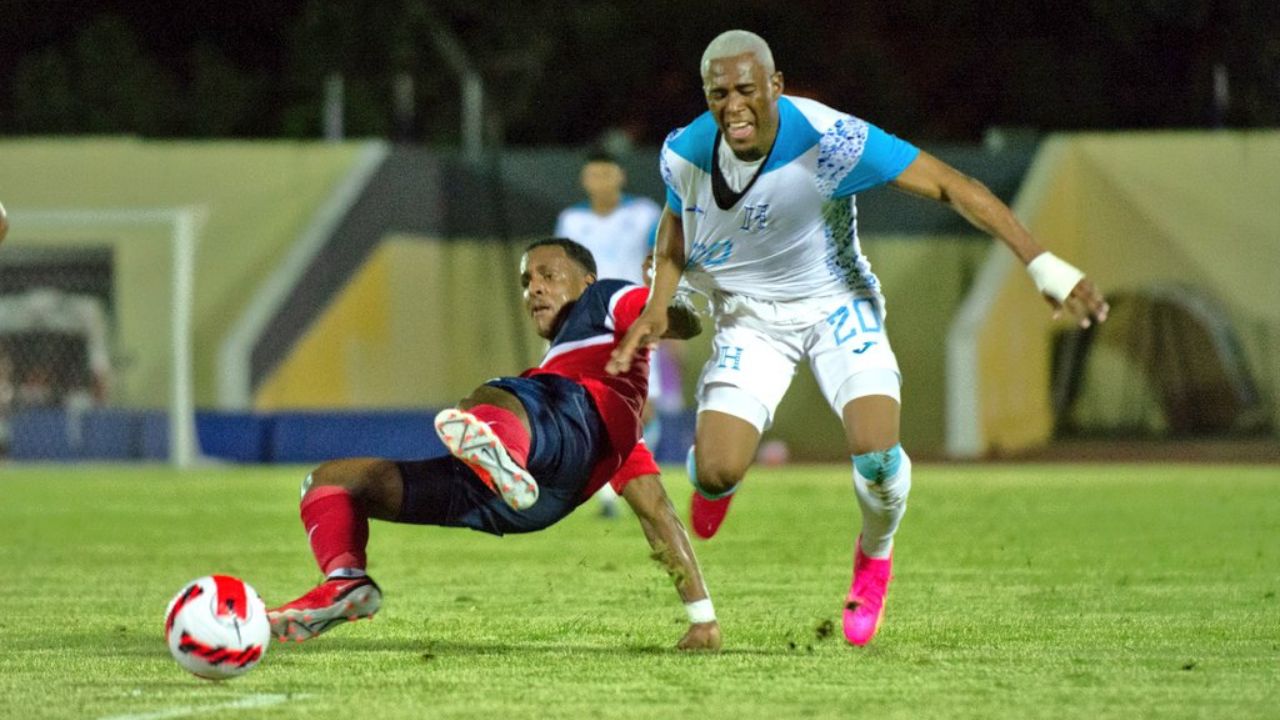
[[369, 481], [329, 474], [716, 476]]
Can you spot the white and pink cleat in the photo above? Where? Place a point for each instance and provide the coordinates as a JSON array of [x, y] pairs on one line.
[[472, 441], [864, 606]]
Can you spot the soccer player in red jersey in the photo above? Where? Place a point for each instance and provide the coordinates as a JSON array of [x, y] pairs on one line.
[[524, 452]]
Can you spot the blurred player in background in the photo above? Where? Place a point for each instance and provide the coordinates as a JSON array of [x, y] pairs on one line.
[[524, 452], [760, 217], [4, 224], [618, 229]]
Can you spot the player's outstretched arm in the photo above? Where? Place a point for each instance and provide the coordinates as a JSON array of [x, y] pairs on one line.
[[670, 542], [668, 266], [1065, 287]]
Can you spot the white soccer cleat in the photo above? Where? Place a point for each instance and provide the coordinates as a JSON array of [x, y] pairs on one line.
[[472, 441]]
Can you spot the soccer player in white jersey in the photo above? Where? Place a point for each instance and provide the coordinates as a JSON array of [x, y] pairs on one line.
[[760, 217], [618, 229]]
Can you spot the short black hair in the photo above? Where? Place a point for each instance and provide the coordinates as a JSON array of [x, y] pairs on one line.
[[601, 155], [576, 252]]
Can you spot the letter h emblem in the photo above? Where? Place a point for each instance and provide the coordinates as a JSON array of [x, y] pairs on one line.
[[730, 356]]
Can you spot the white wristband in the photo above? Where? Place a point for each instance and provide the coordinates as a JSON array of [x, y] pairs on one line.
[[700, 611], [1053, 276]]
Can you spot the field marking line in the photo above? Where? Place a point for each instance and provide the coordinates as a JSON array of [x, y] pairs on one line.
[[248, 702]]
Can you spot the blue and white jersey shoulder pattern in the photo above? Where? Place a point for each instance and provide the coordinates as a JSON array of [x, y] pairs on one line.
[[840, 149]]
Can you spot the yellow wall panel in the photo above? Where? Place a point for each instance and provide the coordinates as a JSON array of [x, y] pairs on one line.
[[258, 196], [1140, 212], [421, 324]]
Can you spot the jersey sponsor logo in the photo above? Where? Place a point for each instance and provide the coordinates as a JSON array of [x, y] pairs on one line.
[[705, 254], [865, 346], [755, 218]]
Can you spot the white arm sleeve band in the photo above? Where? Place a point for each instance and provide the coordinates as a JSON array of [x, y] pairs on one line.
[[1053, 276]]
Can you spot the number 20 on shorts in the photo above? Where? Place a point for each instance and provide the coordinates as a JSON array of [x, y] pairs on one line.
[[860, 315]]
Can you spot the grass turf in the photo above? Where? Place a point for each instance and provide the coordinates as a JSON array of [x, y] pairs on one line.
[[1021, 591]]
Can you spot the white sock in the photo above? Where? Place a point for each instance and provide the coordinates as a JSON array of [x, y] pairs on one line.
[[345, 573], [883, 504]]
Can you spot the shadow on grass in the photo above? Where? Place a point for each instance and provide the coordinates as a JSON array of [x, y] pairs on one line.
[[454, 648]]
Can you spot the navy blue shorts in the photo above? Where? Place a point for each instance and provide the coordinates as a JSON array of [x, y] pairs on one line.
[[566, 440]]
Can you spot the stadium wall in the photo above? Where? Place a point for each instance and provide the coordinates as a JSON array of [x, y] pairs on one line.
[[421, 323], [257, 197], [1142, 213], [374, 346], [421, 316]]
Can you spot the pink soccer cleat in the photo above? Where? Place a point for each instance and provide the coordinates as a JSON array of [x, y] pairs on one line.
[[705, 516], [327, 605], [472, 441], [864, 606]]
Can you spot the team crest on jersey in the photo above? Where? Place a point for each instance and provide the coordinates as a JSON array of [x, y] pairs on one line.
[[755, 217], [705, 254]]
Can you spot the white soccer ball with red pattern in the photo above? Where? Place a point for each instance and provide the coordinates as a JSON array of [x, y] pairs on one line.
[[217, 627]]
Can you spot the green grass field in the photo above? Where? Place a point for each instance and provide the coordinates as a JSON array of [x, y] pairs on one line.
[[1021, 591]]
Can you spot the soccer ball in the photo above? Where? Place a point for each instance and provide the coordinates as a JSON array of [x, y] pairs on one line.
[[217, 627]]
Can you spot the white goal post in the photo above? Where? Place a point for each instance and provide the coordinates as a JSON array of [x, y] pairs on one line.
[[183, 225]]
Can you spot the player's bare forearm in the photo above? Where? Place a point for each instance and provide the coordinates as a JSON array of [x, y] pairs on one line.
[[929, 177], [651, 326], [668, 261], [671, 547], [4, 224], [666, 535]]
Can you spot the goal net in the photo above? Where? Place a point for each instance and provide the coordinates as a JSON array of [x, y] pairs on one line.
[[96, 335]]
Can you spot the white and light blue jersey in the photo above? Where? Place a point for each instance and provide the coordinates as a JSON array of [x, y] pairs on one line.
[[793, 232], [619, 241]]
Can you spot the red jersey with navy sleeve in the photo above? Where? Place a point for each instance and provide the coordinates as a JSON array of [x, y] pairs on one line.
[[591, 330]]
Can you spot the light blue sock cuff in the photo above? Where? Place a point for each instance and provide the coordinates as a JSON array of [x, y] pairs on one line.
[[879, 465], [692, 469]]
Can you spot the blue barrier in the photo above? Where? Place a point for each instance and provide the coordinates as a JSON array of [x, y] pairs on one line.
[[315, 437], [41, 434], [242, 437]]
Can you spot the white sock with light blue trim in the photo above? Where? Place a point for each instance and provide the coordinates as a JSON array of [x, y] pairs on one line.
[[882, 481]]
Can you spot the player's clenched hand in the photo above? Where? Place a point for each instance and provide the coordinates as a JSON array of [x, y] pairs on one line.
[[645, 331], [1085, 304], [701, 636]]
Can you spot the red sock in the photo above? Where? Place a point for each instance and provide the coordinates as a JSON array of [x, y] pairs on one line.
[[336, 527], [508, 428]]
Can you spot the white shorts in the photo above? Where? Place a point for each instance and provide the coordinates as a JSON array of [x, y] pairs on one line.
[[759, 342]]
